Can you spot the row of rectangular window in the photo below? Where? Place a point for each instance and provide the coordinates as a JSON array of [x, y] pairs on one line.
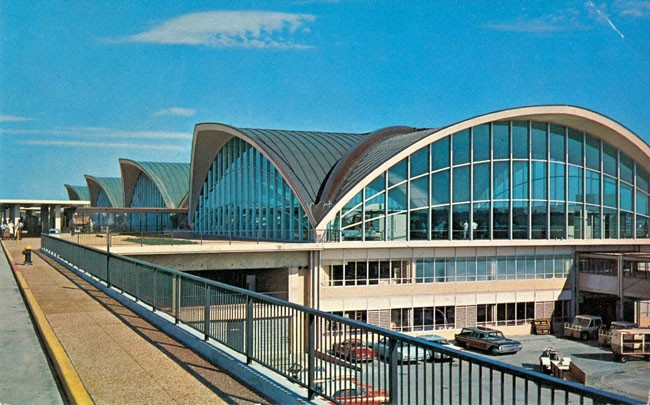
[[449, 270]]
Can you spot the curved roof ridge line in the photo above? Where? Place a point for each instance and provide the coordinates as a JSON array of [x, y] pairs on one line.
[[109, 185], [147, 167], [340, 171]]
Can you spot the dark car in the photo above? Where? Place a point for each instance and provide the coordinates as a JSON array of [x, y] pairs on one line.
[[353, 350], [490, 340]]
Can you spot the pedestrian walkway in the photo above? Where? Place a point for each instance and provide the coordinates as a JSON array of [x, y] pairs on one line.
[[25, 374], [118, 356]]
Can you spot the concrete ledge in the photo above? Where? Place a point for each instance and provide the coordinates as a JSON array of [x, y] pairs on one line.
[[263, 384], [72, 385]]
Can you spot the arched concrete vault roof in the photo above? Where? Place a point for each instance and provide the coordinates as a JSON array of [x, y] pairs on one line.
[[112, 187], [303, 158], [171, 179], [77, 193], [391, 149]]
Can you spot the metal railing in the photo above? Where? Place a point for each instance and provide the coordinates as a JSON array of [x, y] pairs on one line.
[[342, 360]]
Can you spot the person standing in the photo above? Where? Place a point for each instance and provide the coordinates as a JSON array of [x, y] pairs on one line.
[[11, 229], [19, 229], [3, 229]]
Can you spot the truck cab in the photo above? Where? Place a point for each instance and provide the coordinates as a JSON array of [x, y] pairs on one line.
[[583, 327]]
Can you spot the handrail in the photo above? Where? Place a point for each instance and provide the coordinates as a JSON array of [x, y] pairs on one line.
[[318, 350]]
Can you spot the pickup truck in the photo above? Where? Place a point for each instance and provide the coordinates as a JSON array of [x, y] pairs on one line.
[[583, 327], [489, 340]]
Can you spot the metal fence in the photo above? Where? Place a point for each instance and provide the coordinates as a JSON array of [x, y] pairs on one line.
[[342, 360]]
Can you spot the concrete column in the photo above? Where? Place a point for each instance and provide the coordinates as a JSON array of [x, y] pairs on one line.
[[57, 217], [15, 213], [45, 219]]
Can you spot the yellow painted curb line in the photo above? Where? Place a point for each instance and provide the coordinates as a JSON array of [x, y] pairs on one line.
[[68, 376]]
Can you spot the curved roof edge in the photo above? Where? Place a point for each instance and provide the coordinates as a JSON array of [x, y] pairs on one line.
[[171, 179], [577, 118], [303, 158], [112, 187], [77, 193]]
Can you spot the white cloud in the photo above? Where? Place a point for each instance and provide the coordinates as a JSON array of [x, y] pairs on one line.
[[633, 8], [13, 118], [98, 132], [77, 144], [175, 112], [548, 23], [229, 29]]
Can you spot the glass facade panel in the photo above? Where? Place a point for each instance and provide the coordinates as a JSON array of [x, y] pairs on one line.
[[538, 220], [641, 227], [519, 220], [641, 179], [538, 186], [574, 229], [520, 140], [610, 164], [481, 142], [418, 229], [460, 147], [520, 181], [557, 143], [440, 154], [440, 223], [397, 199], [419, 192], [501, 181], [420, 162], [461, 184], [481, 182], [575, 184], [557, 221], [481, 221], [377, 186], [626, 224], [593, 223], [626, 197], [557, 181], [575, 147], [641, 203], [610, 194], [501, 220], [501, 140], [397, 173], [592, 187], [592, 148], [460, 220], [539, 141], [626, 169], [610, 223], [440, 188]]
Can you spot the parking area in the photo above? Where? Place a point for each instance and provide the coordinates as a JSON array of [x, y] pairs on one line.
[[631, 379]]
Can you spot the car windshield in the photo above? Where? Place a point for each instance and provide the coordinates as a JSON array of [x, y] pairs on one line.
[[582, 322]]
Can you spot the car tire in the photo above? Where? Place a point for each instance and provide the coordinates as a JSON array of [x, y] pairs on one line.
[[584, 336], [493, 351]]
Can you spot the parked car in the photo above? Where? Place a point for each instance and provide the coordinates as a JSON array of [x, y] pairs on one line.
[[323, 376], [351, 391], [583, 327], [353, 350], [439, 340], [406, 353], [605, 334], [490, 340], [551, 357]]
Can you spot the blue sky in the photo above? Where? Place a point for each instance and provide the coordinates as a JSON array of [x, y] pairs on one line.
[[85, 83]]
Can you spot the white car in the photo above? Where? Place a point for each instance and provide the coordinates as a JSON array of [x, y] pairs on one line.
[[406, 353], [550, 357], [439, 340]]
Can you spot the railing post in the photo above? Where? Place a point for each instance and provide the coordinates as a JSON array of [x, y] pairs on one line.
[[248, 334], [206, 314], [108, 260], [392, 371], [154, 292], [311, 353], [177, 297]]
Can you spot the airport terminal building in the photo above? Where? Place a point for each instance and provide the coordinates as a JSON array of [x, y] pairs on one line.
[[477, 223]]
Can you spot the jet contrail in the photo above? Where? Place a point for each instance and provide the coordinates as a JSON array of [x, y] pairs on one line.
[[611, 24]]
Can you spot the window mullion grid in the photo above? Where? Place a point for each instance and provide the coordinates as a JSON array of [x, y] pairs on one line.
[[510, 181]]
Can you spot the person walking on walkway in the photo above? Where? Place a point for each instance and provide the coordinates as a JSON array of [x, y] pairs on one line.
[[11, 229]]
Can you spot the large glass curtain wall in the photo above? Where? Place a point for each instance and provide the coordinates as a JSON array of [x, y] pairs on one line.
[[244, 196], [146, 194], [503, 180]]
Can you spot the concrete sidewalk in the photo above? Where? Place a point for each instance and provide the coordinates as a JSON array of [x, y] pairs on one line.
[[118, 356]]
